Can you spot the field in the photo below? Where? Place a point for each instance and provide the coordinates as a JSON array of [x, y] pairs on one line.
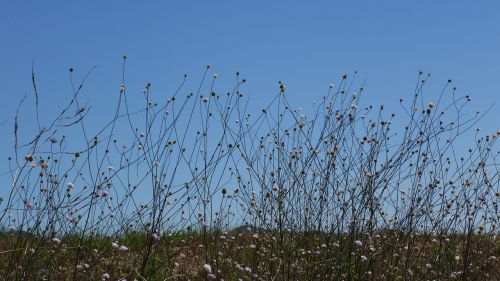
[[255, 255], [200, 186]]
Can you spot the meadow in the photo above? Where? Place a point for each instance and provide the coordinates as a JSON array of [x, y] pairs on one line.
[[196, 186]]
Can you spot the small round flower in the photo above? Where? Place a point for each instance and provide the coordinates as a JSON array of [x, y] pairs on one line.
[[110, 168], [204, 99], [123, 248], [431, 105], [56, 240], [207, 268], [331, 86], [363, 258], [115, 245], [358, 243], [428, 266], [105, 276], [70, 185], [353, 106]]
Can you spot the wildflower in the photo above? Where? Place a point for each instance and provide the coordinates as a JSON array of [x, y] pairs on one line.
[[56, 240], [207, 268], [431, 105], [70, 185], [123, 248], [105, 276], [358, 243], [282, 87], [428, 266], [331, 86], [204, 99], [110, 168], [364, 258], [115, 245], [215, 75], [142, 135], [53, 140], [354, 107], [105, 194]]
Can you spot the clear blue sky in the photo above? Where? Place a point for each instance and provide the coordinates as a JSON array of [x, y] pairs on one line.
[[307, 44]]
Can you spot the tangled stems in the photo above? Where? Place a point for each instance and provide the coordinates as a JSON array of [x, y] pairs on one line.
[[199, 186]]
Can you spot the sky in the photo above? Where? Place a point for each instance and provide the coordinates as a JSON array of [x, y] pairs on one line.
[[306, 44]]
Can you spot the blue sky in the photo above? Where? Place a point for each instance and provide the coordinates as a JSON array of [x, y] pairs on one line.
[[306, 44]]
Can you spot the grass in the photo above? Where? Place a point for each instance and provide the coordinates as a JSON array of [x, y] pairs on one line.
[[253, 255]]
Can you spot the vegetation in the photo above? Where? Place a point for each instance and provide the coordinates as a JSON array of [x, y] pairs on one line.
[[197, 186]]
